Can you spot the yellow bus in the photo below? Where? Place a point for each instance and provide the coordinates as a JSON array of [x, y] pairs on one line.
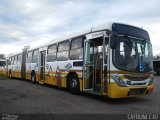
[[112, 60]]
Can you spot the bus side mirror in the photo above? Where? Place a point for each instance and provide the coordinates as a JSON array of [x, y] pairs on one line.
[[113, 41]]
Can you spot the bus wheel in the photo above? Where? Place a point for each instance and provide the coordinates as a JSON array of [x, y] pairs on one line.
[[33, 78], [74, 84], [10, 75]]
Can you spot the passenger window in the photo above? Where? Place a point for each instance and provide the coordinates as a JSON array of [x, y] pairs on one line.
[[29, 57], [51, 53], [35, 56], [63, 46], [76, 51], [19, 58], [2, 63], [63, 50], [52, 49], [9, 61], [76, 43], [15, 59], [29, 54]]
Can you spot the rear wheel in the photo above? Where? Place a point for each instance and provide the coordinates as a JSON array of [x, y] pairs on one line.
[[33, 78], [73, 84]]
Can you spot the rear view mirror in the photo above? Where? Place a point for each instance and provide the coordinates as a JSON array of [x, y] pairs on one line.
[[113, 41]]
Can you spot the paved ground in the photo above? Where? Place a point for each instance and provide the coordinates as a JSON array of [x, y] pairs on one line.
[[23, 97]]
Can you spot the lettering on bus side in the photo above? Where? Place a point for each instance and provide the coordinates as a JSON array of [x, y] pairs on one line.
[[68, 66]]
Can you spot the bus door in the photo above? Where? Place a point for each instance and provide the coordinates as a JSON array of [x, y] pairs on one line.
[[94, 68], [42, 65], [88, 70], [105, 65]]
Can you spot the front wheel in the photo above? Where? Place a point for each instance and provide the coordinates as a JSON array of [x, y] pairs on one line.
[[74, 84]]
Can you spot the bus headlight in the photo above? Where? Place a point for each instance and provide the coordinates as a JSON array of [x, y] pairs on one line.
[[118, 81], [150, 81]]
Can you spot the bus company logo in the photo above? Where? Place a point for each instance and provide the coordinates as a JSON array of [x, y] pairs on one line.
[[68, 66]]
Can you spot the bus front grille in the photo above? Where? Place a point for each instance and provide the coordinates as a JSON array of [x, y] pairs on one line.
[[136, 78], [137, 91]]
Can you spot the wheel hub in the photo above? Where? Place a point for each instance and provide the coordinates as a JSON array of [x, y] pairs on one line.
[[73, 83]]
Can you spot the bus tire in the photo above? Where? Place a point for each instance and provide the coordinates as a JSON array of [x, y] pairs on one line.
[[73, 84], [33, 78], [10, 74]]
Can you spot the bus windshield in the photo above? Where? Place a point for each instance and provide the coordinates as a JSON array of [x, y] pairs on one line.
[[133, 55]]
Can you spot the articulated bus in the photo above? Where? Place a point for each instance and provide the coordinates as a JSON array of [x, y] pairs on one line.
[[112, 60]]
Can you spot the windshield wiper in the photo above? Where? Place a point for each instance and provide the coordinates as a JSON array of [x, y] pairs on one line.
[[128, 42]]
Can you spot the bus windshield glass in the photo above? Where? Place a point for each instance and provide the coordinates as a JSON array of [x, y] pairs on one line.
[[133, 55]]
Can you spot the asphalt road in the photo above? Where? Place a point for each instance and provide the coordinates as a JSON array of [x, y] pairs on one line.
[[23, 97]]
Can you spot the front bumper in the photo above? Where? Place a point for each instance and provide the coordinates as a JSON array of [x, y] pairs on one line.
[[116, 91]]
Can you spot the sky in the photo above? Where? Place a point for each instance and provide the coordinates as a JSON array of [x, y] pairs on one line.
[[36, 22]]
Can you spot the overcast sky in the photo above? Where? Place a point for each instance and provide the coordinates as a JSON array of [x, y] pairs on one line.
[[36, 22]]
